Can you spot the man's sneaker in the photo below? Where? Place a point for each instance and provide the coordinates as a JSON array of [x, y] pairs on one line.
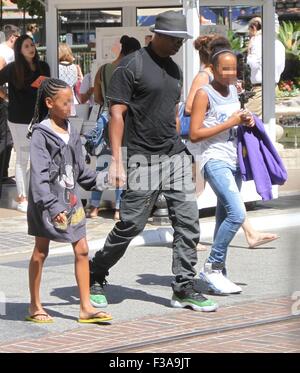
[[218, 283], [190, 298], [97, 295]]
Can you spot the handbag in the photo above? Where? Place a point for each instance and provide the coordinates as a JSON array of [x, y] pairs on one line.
[[77, 89], [184, 120], [78, 83]]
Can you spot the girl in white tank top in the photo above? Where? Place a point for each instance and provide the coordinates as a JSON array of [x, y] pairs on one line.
[[215, 115]]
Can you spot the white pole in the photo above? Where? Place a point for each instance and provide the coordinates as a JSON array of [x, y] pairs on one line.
[[268, 48], [191, 57], [51, 38]]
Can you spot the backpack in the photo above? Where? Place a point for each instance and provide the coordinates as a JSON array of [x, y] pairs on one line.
[[96, 139]]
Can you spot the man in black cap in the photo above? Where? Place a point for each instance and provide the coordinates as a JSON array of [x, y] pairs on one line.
[[144, 92]]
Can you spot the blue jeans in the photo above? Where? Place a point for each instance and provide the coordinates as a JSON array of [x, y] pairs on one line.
[[96, 198], [225, 180]]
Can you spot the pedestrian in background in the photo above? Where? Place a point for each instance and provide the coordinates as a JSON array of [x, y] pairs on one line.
[[102, 79], [7, 56], [23, 78], [68, 71], [32, 29], [254, 60], [86, 92]]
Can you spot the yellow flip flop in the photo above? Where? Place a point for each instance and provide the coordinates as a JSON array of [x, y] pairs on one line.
[[94, 319], [33, 318]]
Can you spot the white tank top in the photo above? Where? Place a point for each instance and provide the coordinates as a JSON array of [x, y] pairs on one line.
[[224, 145]]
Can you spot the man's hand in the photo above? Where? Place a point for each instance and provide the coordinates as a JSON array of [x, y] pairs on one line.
[[116, 174]]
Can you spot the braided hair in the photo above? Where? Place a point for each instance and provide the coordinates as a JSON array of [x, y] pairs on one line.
[[48, 88]]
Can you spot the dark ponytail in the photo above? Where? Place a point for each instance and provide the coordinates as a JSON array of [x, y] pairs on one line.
[[129, 45]]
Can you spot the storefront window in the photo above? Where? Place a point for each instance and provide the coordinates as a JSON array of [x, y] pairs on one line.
[[78, 29], [146, 16]]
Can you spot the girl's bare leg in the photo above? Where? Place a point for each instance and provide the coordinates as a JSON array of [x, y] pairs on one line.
[[40, 253], [82, 274]]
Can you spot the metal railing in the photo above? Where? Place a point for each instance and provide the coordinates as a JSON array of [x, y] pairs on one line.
[[82, 54]]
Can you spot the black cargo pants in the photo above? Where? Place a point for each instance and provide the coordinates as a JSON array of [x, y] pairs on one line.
[[172, 177]]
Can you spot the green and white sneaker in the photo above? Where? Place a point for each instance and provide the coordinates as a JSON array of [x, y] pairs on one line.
[[97, 296], [190, 298]]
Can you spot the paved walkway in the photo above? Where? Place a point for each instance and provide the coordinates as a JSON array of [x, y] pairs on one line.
[[131, 329], [275, 337], [14, 238]]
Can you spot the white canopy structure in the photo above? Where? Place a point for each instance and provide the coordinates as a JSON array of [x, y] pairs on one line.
[[190, 57]]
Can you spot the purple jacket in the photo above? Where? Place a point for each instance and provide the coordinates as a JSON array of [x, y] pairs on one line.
[[259, 160]]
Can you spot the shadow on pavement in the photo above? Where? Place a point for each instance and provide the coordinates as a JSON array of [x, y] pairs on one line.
[[115, 294], [18, 311], [151, 279]]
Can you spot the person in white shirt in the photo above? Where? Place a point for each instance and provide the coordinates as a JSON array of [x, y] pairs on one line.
[[7, 55], [86, 92], [254, 61], [68, 71]]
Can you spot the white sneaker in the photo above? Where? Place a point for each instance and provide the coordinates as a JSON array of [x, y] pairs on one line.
[[22, 206], [217, 281]]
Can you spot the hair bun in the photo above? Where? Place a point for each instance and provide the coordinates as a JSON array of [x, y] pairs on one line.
[[124, 39], [219, 42]]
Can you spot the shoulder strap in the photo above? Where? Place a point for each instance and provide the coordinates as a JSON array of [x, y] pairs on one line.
[[180, 72], [104, 83], [79, 74], [138, 64]]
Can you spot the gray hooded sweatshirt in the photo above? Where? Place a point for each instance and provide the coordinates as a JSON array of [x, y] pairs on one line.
[[56, 169]]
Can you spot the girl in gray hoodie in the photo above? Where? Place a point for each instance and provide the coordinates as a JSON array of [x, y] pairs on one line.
[[54, 210]]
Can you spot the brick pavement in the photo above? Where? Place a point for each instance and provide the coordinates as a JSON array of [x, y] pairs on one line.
[[277, 337], [14, 237]]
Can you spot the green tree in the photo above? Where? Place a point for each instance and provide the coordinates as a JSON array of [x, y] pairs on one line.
[[33, 7]]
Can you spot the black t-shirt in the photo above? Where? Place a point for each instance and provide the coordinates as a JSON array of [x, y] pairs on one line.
[[151, 88], [22, 101]]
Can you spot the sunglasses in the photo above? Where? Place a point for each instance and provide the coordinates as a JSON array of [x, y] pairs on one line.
[[174, 39]]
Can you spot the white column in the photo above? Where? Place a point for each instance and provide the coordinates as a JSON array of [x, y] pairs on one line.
[[51, 37], [268, 81], [191, 56], [129, 16]]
